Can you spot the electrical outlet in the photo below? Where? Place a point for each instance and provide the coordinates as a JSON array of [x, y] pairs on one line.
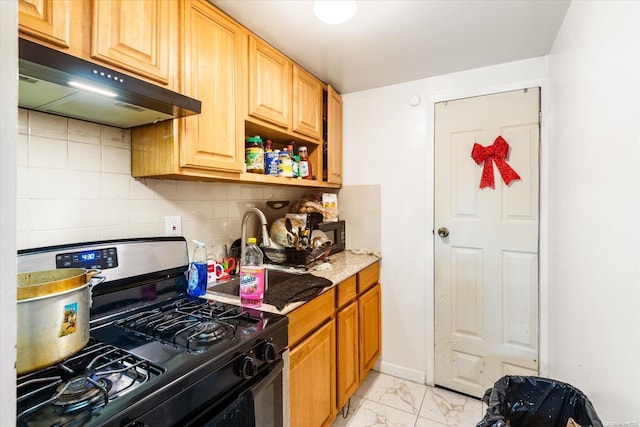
[[173, 225]]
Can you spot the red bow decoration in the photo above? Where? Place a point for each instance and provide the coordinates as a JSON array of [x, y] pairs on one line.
[[493, 153]]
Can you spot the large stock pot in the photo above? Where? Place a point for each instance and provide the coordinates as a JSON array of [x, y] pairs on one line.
[[53, 315]]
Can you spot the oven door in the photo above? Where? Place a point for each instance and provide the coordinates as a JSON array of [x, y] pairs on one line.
[[259, 402]]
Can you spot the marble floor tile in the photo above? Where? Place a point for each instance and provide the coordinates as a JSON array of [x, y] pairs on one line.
[[449, 408], [384, 400], [372, 414], [397, 393]]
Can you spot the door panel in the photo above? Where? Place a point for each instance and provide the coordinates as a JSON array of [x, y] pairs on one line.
[[486, 269]]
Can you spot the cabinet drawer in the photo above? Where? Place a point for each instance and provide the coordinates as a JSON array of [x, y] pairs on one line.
[[346, 291], [368, 277], [309, 316]]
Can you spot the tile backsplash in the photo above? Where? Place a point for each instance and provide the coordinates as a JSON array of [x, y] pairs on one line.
[[74, 184]]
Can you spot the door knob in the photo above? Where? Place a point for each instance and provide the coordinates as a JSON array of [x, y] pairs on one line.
[[443, 231]]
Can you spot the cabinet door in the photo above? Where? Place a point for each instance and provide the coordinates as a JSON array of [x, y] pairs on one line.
[[312, 379], [46, 20], [213, 61], [348, 370], [334, 137], [135, 35], [307, 104], [369, 309], [269, 84]]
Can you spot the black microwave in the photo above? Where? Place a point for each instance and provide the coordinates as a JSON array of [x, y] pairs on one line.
[[335, 231]]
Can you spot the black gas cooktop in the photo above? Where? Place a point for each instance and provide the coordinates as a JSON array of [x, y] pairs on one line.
[[154, 354]]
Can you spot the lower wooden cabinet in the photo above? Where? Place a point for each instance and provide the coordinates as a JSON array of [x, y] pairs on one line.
[[312, 376], [358, 323], [369, 318], [348, 372], [334, 342]]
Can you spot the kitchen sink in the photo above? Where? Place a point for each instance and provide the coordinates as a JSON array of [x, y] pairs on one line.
[[231, 287]]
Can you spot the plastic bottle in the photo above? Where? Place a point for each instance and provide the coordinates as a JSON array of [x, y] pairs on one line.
[[252, 275], [306, 170], [285, 165], [197, 284]]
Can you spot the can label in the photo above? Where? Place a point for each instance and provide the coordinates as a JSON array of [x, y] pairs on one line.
[[254, 158]]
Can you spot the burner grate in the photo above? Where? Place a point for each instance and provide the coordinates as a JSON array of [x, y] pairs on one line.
[[187, 324], [86, 381]]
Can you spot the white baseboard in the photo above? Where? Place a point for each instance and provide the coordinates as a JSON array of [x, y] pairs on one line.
[[401, 372]]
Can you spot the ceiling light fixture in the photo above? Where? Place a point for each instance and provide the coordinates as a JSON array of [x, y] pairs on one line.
[[334, 11]]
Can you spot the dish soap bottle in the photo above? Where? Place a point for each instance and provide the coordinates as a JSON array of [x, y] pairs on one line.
[[252, 275], [197, 284]]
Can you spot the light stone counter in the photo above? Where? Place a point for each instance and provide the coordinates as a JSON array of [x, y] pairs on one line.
[[339, 267]]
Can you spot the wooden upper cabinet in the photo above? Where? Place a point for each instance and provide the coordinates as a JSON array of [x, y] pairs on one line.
[[136, 36], [213, 67], [307, 103], [334, 137], [48, 21], [269, 83]]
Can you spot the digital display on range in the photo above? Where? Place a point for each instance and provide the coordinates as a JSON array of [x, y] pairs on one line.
[[93, 258], [88, 256]]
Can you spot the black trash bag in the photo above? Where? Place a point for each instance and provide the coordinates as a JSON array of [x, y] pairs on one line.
[[536, 402]]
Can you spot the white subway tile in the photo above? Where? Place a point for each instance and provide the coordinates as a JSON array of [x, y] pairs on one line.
[[144, 230], [165, 208], [45, 152], [22, 150], [117, 231], [88, 234], [39, 238], [83, 213], [142, 188], [142, 211], [220, 191], [187, 190], [114, 137], [115, 186], [46, 183], [116, 160], [22, 240], [48, 214], [86, 132], [43, 124], [115, 212], [83, 185], [84, 157], [219, 210], [166, 189], [23, 121], [22, 184], [22, 220]]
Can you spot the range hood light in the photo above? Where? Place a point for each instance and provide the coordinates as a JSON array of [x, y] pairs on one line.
[[92, 89]]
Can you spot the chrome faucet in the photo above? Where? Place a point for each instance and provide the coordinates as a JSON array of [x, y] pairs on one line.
[[266, 241]]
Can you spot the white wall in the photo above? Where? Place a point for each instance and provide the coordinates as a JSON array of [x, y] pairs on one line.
[[594, 267], [8, 126], [390, 143], [590, 203]]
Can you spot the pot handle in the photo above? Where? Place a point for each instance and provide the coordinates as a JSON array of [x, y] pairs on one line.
[[96, 280]]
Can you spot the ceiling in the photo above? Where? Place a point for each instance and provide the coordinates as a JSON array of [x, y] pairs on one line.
[[395, 41]]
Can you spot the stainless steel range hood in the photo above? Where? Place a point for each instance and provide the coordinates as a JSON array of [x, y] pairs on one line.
[[55, 82]]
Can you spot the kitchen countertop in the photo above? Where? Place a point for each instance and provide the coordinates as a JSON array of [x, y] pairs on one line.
[[336, 268]]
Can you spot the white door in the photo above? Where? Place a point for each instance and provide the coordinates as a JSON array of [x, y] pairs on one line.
[[486, 268]]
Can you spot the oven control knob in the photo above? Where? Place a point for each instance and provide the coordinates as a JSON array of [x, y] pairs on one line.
[[268, 353], [248, 367]]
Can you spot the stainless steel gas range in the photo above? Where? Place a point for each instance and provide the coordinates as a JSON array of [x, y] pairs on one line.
[[156, 357]]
